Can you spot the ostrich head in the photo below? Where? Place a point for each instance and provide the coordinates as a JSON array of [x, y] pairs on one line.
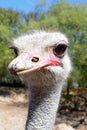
[[42, 61], [41, 53]]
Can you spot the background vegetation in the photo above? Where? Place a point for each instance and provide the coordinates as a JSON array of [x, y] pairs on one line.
[[68, 18]]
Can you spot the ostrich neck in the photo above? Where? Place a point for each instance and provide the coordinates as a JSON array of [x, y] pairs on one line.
[[43, 107]]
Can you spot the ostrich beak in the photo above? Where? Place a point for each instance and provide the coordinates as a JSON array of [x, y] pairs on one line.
[[26, 63]]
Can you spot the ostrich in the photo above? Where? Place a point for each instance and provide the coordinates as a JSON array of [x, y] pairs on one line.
[[42, 61]]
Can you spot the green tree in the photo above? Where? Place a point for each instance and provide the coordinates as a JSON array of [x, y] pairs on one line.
[[9, 22]]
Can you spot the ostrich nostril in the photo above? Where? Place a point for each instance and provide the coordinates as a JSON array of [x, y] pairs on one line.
[[35, 59]]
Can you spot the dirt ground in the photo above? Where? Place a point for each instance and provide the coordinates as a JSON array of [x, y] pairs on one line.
[[12, 117], [13, 111]]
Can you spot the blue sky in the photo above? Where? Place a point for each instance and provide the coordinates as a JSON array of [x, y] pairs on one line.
[[29, 5]]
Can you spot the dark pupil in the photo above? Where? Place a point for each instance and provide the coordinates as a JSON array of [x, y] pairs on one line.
[[15, 50], [60, 49]]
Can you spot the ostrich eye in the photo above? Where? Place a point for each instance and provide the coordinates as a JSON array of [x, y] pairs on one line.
[[15, 50], [60, 49]]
